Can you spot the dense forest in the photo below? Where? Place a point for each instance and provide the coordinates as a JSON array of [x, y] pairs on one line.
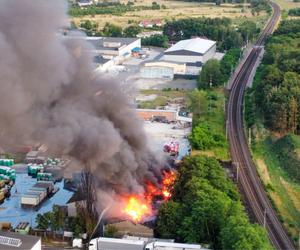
[[275, 96], [276, 91], [205, 208], [218, 29], [294, 12]]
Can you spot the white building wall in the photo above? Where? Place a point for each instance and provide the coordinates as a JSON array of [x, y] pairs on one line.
[[37, 246], [157, 72], [127, 49], [182, 59], [209, 54]]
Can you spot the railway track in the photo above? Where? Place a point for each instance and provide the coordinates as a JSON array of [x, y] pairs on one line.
[[248, 180]]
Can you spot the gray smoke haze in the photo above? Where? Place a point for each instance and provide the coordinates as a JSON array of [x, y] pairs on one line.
[[49, 94]]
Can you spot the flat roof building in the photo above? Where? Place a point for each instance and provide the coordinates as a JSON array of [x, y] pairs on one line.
[[15, 241], [110, 47]]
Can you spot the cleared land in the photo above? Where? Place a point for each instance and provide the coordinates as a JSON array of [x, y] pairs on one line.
[[177, 10], [284, 193]]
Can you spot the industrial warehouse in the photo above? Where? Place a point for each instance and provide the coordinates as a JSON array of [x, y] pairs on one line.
[[185, 58]]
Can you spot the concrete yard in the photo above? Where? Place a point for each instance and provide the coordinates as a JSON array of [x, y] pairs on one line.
[[161, 133], [11, 210]]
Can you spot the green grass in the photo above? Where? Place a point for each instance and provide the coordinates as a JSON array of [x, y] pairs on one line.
[[284, 193], [215, 116], [163, 97]]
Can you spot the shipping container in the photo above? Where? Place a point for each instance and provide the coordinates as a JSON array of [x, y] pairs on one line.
[[42, 192], [44, 177], [34, 169], [49, 185], [30, 199]]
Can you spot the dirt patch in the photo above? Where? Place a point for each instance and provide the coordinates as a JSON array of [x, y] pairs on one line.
[[263, 171]]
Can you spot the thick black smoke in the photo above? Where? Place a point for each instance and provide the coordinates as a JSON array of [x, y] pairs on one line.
[[49, 94]]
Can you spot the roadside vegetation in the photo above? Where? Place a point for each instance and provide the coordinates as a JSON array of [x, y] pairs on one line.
[[272, 114], [221, 30]]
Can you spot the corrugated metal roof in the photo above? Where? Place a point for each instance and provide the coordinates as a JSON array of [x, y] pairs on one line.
[[197, 45]]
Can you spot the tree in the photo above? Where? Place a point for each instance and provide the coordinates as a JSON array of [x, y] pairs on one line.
[[239, 234], [112, 30], [155, 6], [197, 102], [168, 219], [156, 40], [204, 208], [132, 31], [88, 25], [210, 75], [248, 30]]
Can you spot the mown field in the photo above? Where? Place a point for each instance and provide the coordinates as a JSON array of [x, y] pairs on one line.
[[175, 10]]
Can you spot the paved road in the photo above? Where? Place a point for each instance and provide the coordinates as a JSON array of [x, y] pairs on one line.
[[248, 181]]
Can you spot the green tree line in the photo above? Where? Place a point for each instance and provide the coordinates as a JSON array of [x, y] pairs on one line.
[[276, 91], [294, 12], [221, 30], [205, 208], [215, 73], [110, 8]]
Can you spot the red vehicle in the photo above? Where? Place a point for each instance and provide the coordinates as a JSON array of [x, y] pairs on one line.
[[172, 148]]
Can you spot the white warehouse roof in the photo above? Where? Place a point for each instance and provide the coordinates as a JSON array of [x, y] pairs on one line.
[[195, 45]]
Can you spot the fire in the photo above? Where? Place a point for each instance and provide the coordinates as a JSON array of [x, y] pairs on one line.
[[138, 207]]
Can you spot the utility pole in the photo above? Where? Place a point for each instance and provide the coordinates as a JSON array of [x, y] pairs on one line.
[[210, 80], [226, 127], [249, 137], [237, 165], [237, 172], [265, 214]]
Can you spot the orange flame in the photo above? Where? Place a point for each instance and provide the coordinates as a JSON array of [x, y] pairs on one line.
[[138, 207]]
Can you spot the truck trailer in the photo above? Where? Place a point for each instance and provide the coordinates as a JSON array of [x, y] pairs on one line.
[[140, 244], [116, 244]]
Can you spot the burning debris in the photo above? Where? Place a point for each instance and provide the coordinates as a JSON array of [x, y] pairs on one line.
[[139, 207]]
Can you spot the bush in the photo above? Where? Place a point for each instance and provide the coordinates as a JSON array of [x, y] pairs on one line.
[[203, 138]]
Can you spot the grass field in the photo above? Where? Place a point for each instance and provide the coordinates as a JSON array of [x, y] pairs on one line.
[[287, 4], [284, 193], [162, 97], [177, 10]]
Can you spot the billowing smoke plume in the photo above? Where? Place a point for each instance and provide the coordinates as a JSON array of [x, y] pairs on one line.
[[49, 94]]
